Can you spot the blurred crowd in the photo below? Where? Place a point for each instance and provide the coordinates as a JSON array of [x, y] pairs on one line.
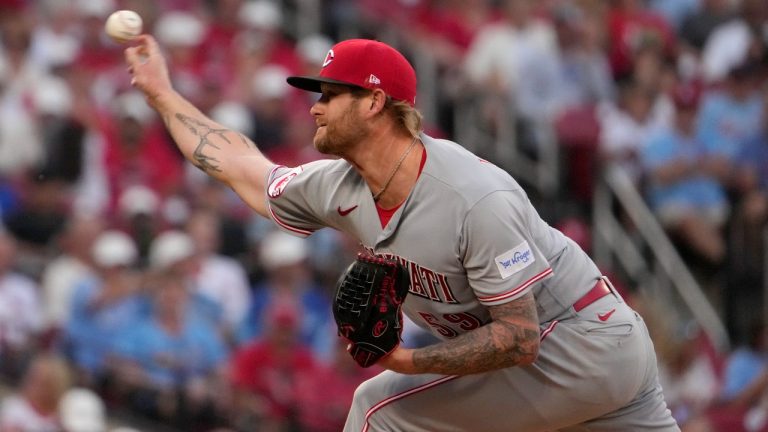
[[132, 286]]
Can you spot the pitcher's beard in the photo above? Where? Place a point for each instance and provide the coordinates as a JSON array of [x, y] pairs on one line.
[[338, 139]]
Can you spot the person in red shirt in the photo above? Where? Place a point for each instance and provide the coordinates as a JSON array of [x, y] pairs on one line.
[[324, 396], [264, 372]]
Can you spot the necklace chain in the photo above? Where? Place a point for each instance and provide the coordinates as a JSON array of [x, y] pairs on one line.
[[394, 170]]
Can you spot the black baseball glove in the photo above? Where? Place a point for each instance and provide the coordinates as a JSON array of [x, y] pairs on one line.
[[368, 306]]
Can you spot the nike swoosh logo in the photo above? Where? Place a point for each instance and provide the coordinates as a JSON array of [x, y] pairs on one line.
[[345, 212], [605, 316]]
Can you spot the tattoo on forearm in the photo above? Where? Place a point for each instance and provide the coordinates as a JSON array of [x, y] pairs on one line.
[[511, 338], [204, 132], [244, 140]]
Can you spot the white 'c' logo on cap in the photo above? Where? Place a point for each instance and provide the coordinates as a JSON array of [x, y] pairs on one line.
[[328, 58]]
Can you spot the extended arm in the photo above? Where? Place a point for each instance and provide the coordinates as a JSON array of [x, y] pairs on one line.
[[511, 339], [223, 154]]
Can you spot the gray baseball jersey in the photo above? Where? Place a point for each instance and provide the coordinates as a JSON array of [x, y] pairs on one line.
[[471, 239]]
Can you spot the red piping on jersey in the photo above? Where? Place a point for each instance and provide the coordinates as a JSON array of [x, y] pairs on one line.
[[517, 290], [548, 330], [288, 227], [272, 172], [399, 396]]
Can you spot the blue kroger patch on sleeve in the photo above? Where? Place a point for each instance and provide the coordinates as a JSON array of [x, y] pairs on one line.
[[514, 260]]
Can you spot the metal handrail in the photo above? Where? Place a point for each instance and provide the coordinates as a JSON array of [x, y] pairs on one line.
[[664, 263], [502, 146]]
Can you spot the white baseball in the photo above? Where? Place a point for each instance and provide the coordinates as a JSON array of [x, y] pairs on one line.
[[123, 25]]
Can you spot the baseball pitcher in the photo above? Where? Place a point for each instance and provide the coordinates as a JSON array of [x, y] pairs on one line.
[[533, 338]]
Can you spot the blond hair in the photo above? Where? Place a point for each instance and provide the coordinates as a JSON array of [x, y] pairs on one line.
[[409, 117]]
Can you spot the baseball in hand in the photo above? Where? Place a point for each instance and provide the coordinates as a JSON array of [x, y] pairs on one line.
[[123, 25]]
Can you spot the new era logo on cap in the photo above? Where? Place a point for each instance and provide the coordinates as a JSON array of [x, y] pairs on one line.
[[364, 63]]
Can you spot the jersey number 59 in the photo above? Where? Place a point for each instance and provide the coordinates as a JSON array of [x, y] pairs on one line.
[[445, 323]]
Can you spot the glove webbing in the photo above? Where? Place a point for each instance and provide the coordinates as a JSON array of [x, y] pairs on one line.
[[356, 291]]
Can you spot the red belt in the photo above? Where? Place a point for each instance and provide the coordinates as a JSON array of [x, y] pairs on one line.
[[597, 292]]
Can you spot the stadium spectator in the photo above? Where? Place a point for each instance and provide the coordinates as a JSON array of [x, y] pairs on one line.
[[731, 115], [219, 278], [499, 66], [626, 125], [170, 364], [21, 314], [265, 372], [586, 83], [102, 308], [34, 407], [549, 80], [175, 251], [684, 181], [137, 151], [324, 394], [288, 281], [73, 263], [655, 74], [584, 71], [501, 51]]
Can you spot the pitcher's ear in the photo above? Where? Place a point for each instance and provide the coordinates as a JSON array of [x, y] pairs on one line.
[[378, 99]]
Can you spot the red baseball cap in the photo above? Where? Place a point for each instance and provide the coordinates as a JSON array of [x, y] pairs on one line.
[[364, 63]]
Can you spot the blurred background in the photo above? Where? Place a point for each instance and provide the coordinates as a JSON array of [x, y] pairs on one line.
[[137, 294]]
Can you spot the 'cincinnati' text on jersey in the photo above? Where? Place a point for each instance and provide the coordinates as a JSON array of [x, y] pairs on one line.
[[425, 282]]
